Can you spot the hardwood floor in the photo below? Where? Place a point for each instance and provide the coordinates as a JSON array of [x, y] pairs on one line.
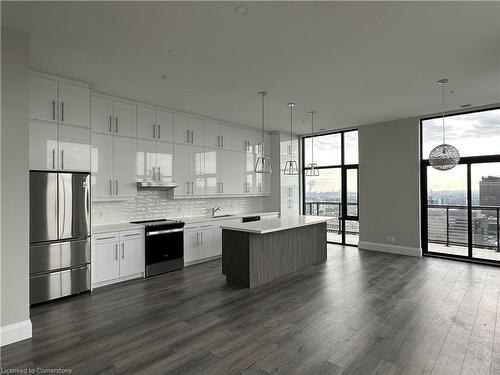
[[360, 313]]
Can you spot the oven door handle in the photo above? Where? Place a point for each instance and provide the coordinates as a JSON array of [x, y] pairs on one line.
[[158, 232]]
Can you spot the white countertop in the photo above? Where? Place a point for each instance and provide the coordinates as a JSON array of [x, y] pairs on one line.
[[275, 225], [106, 228], [115, 227]]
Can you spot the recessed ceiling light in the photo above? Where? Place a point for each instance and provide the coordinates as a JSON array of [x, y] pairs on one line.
[[164, 77], [452, 91], [241, 10], [465, 105], [174, 52]]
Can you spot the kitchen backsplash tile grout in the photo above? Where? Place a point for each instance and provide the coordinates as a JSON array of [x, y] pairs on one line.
[[159, 204]]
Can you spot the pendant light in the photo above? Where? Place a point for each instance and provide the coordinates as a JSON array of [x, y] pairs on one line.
[[263, 163], [444, 157], [291, 165], [312, 166]]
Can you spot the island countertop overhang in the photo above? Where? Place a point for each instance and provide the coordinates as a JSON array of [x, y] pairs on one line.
[[279, 224]]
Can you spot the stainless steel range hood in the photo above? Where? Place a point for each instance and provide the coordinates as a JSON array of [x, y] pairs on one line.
[[156, 185]]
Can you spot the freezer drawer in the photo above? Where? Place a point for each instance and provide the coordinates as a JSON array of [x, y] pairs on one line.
[[50, 257], [54, 285]]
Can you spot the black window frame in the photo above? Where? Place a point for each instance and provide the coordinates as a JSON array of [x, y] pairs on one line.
[[468, 161], [343, 173]]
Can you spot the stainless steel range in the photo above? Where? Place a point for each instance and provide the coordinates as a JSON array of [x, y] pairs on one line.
[[164, 245]]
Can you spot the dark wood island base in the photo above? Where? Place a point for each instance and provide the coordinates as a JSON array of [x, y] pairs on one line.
[[253, 259]]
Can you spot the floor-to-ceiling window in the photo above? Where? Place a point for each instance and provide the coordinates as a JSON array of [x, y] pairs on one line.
[[334, 192], [461, 206]]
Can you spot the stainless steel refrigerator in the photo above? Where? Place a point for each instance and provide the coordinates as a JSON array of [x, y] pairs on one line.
[[59, 235]]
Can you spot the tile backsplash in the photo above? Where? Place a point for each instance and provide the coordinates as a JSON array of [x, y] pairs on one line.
[[159, 204]]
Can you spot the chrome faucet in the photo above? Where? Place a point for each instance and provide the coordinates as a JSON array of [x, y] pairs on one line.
[[214, 210]]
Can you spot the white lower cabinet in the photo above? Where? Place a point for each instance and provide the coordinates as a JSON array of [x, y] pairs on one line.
[[117, 256], [203, 241]]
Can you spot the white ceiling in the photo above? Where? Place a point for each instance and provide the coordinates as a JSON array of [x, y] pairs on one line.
[[354, 63]]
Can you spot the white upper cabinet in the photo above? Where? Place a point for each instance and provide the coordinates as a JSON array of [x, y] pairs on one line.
[[125, 119], [227, 137], [113, 166], [146, 160], [114, 117], [165, 126], [227, 173], [74, 149], [53, 147], [181, 169], [102, 115], [102, 166], [59, 101], [146, 123], [212, 134], [188, 130], [197, 170], [153, 124], [164, 162], [218, 136], [74, 105], [43, 103], [240, 175], [124, 167], [43, 146], [246, 140]]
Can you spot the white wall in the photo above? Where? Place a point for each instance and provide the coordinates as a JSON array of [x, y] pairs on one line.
[[389, 186], [14, 319]]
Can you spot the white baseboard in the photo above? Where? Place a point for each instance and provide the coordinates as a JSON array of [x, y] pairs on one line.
[[388, 248], [15, 332]]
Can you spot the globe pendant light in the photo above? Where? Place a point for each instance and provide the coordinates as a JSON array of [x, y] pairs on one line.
[[312, 166], [263, 164], [291, 165], [444, 157]]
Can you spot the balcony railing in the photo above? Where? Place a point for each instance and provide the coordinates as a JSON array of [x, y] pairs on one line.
[[448, 225], [334, 209]]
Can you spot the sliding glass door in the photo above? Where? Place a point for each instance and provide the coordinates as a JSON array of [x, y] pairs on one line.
[[334, 192], [460, 207]]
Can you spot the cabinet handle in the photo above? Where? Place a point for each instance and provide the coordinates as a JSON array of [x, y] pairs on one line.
[[154, 174], [188, 187], [105, 238], [222, 186], [222, 141], [116, 184], [110, 123], [62, 159], [53, 110], [154, 131], [116, 251], [192, 137], [201, 235], [116, 124], [53, 158], [192, 189], [218, 141], [62, 111], [187, 132], [110, 187], [197, 238], [260, 187], [123, 250], [159, 174], [159, 132]]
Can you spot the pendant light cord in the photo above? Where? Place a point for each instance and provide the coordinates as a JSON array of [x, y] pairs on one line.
[[443, 84], [262, 94], [312, 137]]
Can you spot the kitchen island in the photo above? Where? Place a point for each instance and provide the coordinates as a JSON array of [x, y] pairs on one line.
[[258, 252]]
